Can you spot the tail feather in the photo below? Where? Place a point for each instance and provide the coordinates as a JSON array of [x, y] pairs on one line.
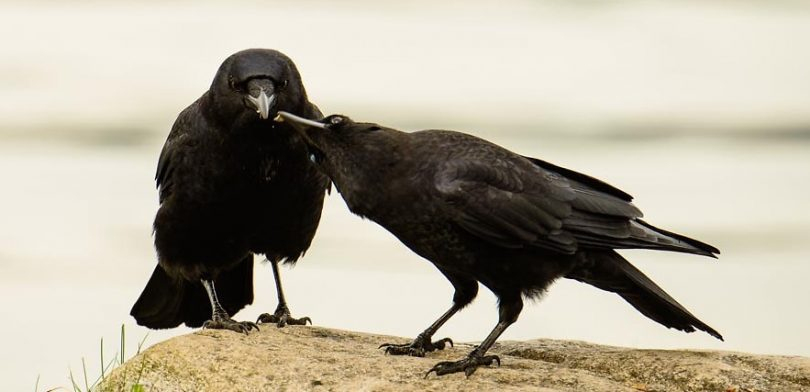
[[609, 271], [667, 240], [167, 302]]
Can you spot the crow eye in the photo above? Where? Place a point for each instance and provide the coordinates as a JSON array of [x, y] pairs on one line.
[[236, 85], [374, 128], [284, 83], [336, 120]]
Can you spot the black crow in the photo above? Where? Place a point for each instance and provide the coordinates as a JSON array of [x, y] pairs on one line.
[[483, 214], [232, 183]]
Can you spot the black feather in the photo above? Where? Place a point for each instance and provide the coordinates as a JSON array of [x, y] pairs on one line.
[[231, 184]]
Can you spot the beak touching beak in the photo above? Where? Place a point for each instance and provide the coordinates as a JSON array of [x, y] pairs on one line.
[[262, 103], [308, 129], [299, 123]]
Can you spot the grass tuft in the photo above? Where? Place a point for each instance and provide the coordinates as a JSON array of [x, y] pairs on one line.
[[105, 368]]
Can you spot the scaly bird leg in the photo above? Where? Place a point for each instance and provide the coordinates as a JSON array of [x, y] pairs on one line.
[[508, 314], [422, 344], [281, 316], [220, 318]]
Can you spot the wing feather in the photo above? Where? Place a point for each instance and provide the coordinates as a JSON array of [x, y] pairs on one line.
[[512, 201]]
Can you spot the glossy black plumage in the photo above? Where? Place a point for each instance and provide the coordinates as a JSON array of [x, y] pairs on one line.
[[232, 183], [483, 214]]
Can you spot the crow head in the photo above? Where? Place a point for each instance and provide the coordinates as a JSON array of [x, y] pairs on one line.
[[361, 159], [252, 85]]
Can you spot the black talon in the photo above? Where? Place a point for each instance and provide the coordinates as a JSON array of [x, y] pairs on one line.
[[468, 365], [417, 348], [281, 317], [230, 324], [440, 343], [220, 319], [433, 369]]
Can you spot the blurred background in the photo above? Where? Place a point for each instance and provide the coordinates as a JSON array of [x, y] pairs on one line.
[[701, 110]]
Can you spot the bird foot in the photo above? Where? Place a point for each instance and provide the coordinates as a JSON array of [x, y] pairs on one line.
[[418, 347], [282, 317], [228, 323], [467, 365]]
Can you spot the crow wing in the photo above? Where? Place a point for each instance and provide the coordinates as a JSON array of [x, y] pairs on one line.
[[514, 201], [180, 139]]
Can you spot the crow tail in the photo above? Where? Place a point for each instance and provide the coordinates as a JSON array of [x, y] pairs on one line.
[[167, 302], [609, 271]]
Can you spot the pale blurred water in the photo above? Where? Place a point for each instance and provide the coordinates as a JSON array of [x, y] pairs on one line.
[[699, 110]]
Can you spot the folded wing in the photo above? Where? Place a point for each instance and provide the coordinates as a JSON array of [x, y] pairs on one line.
[[515, 201]]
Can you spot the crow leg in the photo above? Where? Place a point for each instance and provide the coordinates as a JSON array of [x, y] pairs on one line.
[[466, 290], [507, 315], [281, 316], [219, 317], [422, 344]]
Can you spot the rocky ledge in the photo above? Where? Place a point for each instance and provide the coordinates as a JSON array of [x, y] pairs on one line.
[[321, 359]]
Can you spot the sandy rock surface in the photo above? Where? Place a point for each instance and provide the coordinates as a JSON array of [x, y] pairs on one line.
[[321, 359]]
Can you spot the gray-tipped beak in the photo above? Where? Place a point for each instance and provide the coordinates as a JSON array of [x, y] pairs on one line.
[[298, 122], [262, 103], [306, 128]]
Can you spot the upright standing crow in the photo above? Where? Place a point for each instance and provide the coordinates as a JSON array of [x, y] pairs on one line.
[[232, 183], [481, 213]]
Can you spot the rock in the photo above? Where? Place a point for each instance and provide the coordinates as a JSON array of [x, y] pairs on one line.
[[321, 359]]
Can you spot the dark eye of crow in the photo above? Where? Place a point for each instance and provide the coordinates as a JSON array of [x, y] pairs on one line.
[[240, 87], [336, 120], [374, 128]]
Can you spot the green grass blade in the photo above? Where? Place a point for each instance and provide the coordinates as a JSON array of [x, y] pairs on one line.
[[73, 381], [123, 340], [101, 352], [84, 369], [140, 345]]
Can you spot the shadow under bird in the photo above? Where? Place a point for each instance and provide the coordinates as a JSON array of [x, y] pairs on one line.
[[483, 214], [232, 183]]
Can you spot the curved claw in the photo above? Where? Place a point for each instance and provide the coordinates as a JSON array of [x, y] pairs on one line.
[[389, 347], [417, 348], [437, 368], [486, 360], [236, 326], [282, 319], [469, 365], [405, 349], [246, 326], [304, 321], [441, 342]]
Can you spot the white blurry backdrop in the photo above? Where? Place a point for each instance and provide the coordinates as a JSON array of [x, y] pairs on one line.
[[698, 109]]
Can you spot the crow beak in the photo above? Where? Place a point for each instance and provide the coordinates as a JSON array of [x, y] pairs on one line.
[[262, 103], [305, 128], [297, 122]]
